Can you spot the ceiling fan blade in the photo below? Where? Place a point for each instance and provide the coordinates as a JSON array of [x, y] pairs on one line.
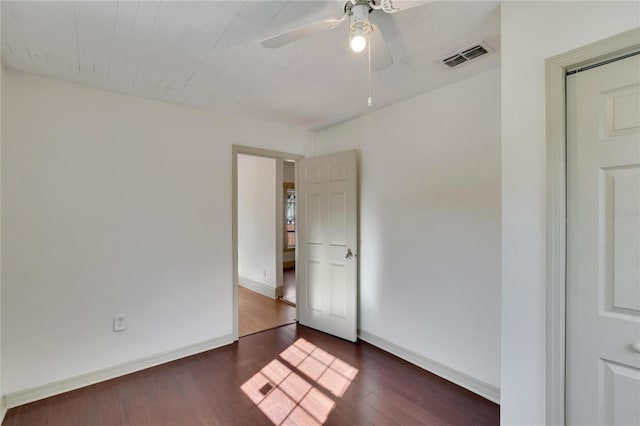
[[304, 31], [380, 56], [408, 4]]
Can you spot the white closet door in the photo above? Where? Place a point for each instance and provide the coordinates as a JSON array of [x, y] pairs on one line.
[[603, 250]]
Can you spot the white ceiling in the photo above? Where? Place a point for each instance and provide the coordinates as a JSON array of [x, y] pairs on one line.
[[208, 54]]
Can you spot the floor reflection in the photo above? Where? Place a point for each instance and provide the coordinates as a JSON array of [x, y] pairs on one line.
[[295, 388]]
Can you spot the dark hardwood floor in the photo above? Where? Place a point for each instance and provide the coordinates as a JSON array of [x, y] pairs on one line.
[[288, 375]]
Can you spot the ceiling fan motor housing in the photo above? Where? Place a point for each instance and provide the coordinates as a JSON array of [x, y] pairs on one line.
[[359, 13]]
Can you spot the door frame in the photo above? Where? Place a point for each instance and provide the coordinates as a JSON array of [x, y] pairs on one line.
[[556, 229], [257, 152]]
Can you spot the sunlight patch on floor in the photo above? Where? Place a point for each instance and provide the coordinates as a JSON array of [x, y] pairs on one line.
[[300, 397]]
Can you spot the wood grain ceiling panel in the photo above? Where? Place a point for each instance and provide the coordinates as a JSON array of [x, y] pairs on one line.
[[208, 54]]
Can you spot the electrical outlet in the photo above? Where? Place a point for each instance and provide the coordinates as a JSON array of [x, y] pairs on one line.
[[119, 322]]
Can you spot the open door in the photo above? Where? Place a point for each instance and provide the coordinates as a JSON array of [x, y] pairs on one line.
[[327, 244]]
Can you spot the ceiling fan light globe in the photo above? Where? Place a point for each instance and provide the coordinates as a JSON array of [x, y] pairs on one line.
[[358, 43]]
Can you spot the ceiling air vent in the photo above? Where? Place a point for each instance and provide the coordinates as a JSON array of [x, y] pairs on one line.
[[465, 55], [454, 60]]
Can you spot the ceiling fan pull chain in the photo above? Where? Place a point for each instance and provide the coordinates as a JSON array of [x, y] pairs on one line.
[[369, 102]]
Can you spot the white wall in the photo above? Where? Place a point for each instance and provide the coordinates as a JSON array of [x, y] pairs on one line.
[[113, 204], [289, 172], [257, 188], [532, 32], [430, 223]]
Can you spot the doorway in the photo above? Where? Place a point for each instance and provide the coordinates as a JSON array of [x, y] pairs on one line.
[[258, 236], [326, 238]]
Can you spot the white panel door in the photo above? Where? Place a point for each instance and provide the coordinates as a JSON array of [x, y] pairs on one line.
[[603, 245], [327, 244]]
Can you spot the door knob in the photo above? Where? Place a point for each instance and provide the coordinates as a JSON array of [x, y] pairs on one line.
[[636, 347], [349, 254]]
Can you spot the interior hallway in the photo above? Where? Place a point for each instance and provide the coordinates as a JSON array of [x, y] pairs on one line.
[[290, 284], [258, 313]]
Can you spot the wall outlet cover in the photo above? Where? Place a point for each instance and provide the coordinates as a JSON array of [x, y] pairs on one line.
[[119, 322]]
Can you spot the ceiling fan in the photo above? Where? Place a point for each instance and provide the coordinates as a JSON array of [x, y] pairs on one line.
[[358, 13]]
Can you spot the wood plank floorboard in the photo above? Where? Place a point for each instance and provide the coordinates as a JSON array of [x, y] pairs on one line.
[[288, 375], [290, 285], [258, 313]]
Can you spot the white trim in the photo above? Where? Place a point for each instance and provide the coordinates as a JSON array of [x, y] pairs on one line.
[[235, 150], [3, 408], [15, 399], [258, 287], [556, 244], [485, 390], [556, 68]]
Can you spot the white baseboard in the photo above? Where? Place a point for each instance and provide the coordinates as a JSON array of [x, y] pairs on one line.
[[3, 408], [15, 399], [258, 287], [490, 392]]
